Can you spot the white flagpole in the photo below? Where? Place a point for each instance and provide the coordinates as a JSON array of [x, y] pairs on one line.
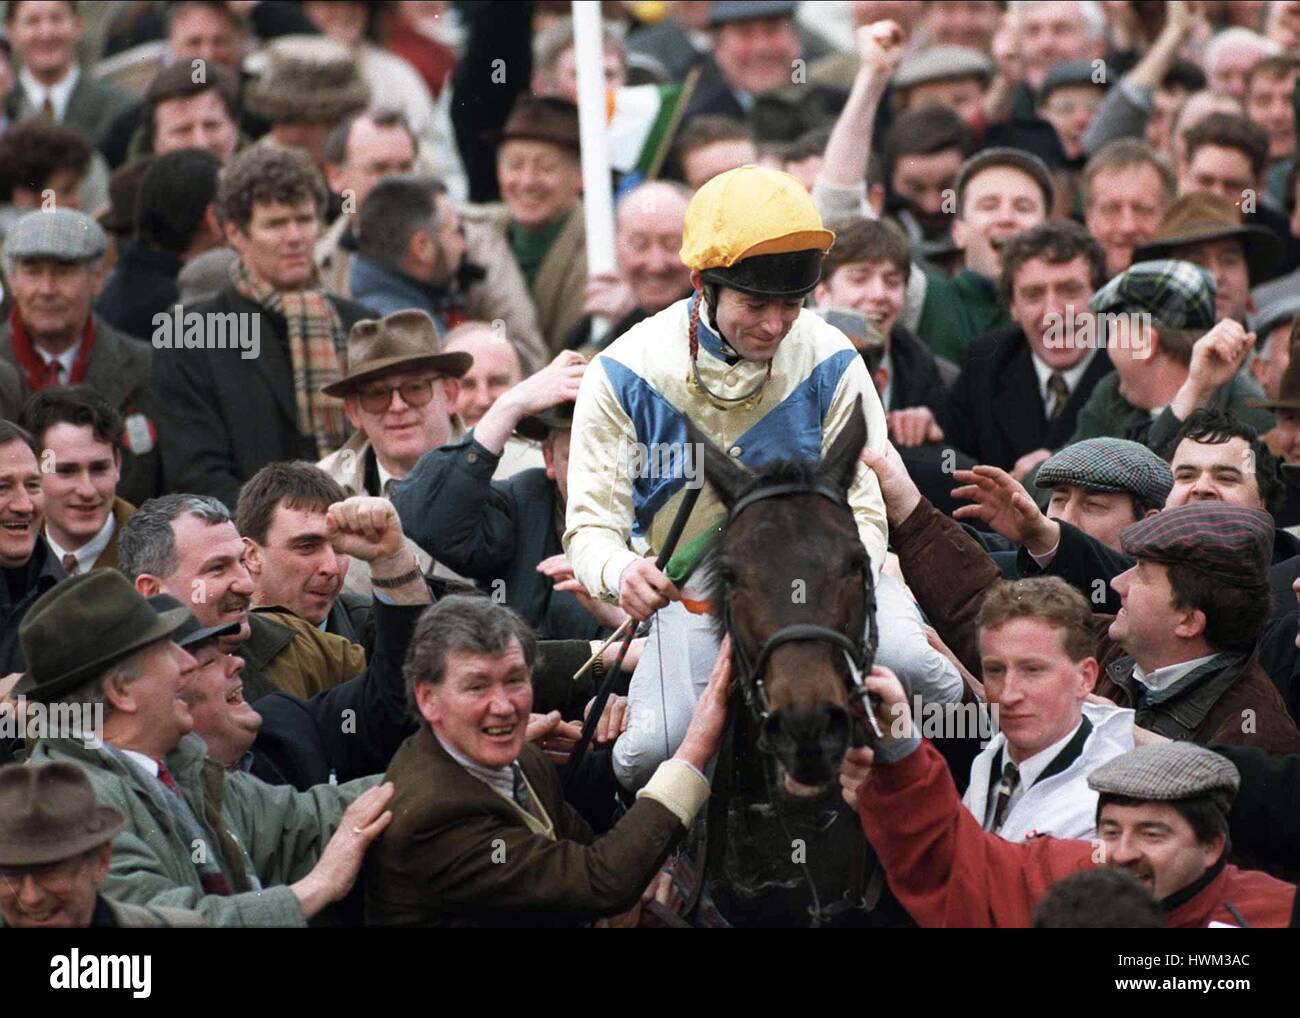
[[597, 194]]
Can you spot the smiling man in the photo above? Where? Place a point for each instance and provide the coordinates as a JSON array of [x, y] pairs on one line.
[[222, 416], [483, 835], [28, 565], [1001, 193], [187, 546], [82, 436], [1162, 815]]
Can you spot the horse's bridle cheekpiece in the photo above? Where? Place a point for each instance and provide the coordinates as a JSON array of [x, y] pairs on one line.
[[859, 654]]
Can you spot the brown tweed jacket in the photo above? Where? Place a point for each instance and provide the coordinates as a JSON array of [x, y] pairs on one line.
[[458, 853]]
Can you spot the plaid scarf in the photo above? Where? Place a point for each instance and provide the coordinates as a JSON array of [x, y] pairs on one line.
[[317, 345]]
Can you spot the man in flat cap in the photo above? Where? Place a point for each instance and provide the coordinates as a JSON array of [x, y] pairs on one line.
[[1162, 815], [56, 844], [54, 265], [238, 851], [1170, 357], [1180, 649]]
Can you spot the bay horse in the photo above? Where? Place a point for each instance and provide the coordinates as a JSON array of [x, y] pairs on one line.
[[792, 585]]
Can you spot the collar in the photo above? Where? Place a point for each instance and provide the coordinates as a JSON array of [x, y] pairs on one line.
[[1163, 678], [1045, 371], [501, 779], [245, 763], [1179, 898], [89, 552], [709, 338], [1033, 768], [60, 92], [148, 763], [384, 476], [32, 358]]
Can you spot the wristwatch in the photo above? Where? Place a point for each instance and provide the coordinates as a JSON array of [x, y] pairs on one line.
[[409, 576]]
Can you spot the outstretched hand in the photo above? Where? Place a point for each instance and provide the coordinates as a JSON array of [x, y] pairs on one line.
[[1003, 503]]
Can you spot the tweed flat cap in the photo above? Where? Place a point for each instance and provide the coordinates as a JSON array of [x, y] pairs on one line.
[[942, 63], [1281, 311], [1167, 772], [1234, 543], [1178, 295], [1109, 464], [65, 235]]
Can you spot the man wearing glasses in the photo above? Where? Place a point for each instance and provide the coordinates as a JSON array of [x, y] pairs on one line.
[[399, 393]]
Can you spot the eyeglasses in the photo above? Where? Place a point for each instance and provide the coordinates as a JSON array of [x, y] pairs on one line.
[[414, 394]]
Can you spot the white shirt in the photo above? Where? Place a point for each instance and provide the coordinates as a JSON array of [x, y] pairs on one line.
[[88, 552], [147, 762], [384, 477], [60, 93], [1163, 678], [1030, 768], [1071, 375], [65, 360]]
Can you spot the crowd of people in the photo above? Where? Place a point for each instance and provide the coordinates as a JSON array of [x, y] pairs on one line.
[[334, 485]]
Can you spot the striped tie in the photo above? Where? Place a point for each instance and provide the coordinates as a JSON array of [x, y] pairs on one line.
[[1060, 393], [1006, 788], [520, 790]]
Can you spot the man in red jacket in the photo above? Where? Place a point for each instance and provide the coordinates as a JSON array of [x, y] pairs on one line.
[[1162, 816]]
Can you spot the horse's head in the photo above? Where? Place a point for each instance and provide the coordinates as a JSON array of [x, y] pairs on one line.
[[789, 559]]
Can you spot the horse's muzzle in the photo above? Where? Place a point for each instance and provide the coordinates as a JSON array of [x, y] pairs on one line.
[[810, 742]]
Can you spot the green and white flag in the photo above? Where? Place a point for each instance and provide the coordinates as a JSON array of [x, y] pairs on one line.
[[684, 569], [642, 121]]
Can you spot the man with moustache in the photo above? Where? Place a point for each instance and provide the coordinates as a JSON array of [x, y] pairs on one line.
[[82, 437]]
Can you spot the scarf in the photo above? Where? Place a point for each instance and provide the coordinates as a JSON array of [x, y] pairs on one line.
[[33, 364], [317, 345]]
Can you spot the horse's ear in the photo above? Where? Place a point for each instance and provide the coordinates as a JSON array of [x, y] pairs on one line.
[[842, 457], [727, 476]]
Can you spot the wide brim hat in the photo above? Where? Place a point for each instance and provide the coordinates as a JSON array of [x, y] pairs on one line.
[[538, 426], [48, 813], [79, 628], [405, 341], [191, 631], [1199, 218], [305, 79]]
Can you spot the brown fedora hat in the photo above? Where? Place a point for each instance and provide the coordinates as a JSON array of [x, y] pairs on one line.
[[1200, 217], [80, 627], [543, 118], [402, 341], [48, 813], [1288, 391]]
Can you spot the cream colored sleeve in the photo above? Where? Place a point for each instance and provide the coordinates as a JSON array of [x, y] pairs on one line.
[[598, 517], [864, 493], [679, 787]]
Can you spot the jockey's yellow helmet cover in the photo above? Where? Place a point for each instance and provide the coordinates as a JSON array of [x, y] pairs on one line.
[[748, 211]]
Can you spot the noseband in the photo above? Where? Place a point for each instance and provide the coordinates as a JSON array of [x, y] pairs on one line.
[[858, 654]]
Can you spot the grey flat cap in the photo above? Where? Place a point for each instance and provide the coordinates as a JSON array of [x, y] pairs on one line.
[[1270, 316], [942, 63], [1170, 771], [1109, 464], [723, 12], [63, 234], [1075, 72]]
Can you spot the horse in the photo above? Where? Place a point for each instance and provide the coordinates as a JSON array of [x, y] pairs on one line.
[[792, 585]]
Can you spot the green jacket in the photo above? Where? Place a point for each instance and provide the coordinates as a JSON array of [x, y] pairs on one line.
[[268, 835], [1107, 414], [958, 309]]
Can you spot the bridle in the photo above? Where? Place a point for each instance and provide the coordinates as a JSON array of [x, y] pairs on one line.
[[859, 654]]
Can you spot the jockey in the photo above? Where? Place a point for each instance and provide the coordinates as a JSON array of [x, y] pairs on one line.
[[764, 379]]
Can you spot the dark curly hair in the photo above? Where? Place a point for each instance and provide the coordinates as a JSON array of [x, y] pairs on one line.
[[266, 174], [32, 152]]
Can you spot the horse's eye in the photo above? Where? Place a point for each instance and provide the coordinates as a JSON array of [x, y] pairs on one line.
[[727, 575]]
